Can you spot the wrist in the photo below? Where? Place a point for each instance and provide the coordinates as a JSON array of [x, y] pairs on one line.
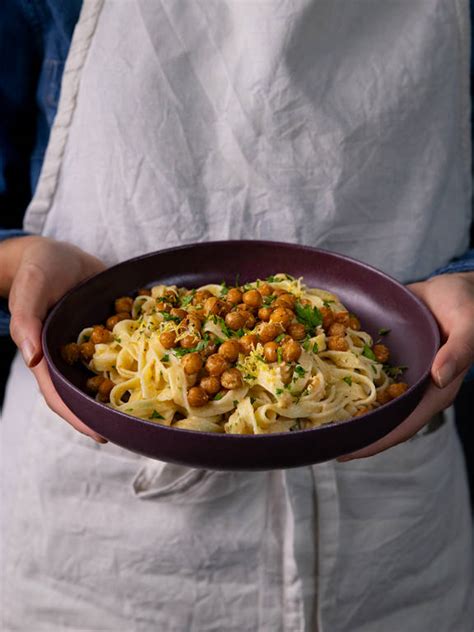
[[11, 253]]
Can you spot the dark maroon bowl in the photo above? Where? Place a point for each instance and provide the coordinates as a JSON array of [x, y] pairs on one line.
[[377, 299]]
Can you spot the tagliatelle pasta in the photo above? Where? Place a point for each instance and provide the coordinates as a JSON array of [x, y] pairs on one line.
[[268, 356]]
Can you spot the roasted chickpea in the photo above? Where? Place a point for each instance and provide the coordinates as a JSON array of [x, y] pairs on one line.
[[383, 396], [363, 411], [282, 316], [191, 363], [248, 343], [232, 378], [337, 329], [234, 296], [104, 389], [192, 322], [337, 343], [71, 353], [177, 312], [211, 384], [249, 320], [93, 383], [87, 350], [235, 320], [270, 351], [286, 373], [342, 317], [279, 291], [123, 304], [230, 350], [210, 348], [397, 389], [212, 305], [188, 342], [328, 317], [265, 289], [197, 397], [264, 313], [163, 306], [354, 322], [168, 339], [269, 331], [286, 300], [144, 291], [291, 350], [216, 364], [113, 320], [297, 331], [191, 379], [381, 353], [252, 298], [201, 296], [100, 335]]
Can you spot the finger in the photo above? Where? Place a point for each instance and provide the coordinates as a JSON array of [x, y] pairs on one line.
[[433, 401], [58, 406], [457, 354], [28, 303]]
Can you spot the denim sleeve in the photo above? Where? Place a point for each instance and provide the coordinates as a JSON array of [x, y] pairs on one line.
[[4, 313]]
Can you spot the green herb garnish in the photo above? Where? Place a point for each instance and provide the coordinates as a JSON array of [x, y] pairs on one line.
[[168, 317], [188, 298], [218, 396], [299, 370], [224, 289], [315, 348], [348, 380], [279, 355], [308, 315], [156, 415], [384, 331], [394, 371], [279, 391], [368, 353], [268, 300], [280, 337], [165, 358]]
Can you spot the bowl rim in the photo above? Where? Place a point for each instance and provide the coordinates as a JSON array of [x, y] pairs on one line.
[[434, 331]]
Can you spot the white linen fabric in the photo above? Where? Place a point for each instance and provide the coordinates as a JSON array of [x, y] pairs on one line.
[[343, 125]]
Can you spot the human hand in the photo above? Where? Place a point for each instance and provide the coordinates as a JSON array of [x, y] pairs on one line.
[[450, 297], [36, 273]]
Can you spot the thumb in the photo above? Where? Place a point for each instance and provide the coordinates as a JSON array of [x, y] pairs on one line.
[[28, 304], [456, 355]]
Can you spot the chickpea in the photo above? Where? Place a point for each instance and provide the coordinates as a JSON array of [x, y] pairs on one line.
[[235, 320], [197, 397], [191, 363], [383, 396], [232, 378], [270, 351], [100, 335], [242, 307], [234, 296], [342, 317], [363, 411], [144, 291], [230, 350], [104, 389], [337, 343], [297, 331], [381, 353], [87, 350], [71, 353], [211, 384], [253, 299], [279, 291], [192, 322], [177, 312], [201, 296], [282, 315], [397, 389], [210, 348], [248, 343], [123, 304], [265, 289], [168, 339], [286, 373], [264, 313], [328, 317], [291, 351], [171, 296], [286, 300], [188, 342], [337, 329], [113, 320], [191, 379], [163, 306], [212, 305], [249, 320], [354, 322], [269, 331], [216, 364], [93, 383]]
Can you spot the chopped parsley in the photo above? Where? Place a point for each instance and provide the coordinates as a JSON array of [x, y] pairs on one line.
[[268, 300], [327, 303], [187, 299], [235, 403], [86, 338], [368, 353], [308, 315], [279, 355], [218, 396], [202, 344], [280, 337], [240, 332], [348, 380], [394, 371], [270, 279], [165, 358], [384, 331], [279, 391], [156, 415], [168, 317], [224, 289], [300, 372], [315, 348]]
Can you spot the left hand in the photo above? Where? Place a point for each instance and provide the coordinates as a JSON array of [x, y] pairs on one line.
[[450, 297]]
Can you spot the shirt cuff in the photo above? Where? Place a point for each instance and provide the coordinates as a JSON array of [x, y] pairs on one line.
[[6, 233], [463, 264]]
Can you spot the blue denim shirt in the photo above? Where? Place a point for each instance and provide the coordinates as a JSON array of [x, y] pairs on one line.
[[39, 32]]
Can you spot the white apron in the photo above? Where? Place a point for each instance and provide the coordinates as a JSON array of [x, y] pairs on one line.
[[337, 124]]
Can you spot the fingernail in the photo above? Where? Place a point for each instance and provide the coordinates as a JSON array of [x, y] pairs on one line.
[[27, 351], [100, 440], [445, 374]]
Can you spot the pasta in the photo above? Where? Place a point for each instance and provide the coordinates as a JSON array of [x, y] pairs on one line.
[[269, 356]]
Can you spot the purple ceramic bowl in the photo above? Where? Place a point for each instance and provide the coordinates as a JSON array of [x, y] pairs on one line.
[[377, 299]]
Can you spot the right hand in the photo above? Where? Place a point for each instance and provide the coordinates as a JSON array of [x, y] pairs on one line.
[[36, 273]]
